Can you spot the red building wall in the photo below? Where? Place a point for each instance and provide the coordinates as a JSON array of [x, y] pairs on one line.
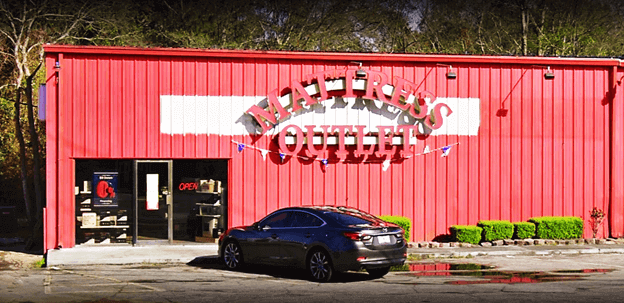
[[544, 147]]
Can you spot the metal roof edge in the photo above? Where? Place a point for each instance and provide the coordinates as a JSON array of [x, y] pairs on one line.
[[328, 56]]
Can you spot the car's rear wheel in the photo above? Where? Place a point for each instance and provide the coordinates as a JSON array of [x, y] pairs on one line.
[[378, 272], [232, 255], [319, 266]]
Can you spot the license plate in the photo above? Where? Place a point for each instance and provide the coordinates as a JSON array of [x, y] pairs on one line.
[[383, 239]]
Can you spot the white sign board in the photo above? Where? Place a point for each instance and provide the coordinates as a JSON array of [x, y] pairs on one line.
[[151, 196]]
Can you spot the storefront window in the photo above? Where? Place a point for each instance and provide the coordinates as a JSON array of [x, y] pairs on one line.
[[103, 201], [199, 199]]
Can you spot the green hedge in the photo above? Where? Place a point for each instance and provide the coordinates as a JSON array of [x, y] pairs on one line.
[[558, 227], [466, 233], [496, 229], [524, 230], [403, 222]]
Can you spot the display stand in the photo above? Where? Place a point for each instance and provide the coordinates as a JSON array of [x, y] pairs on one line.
[[211, 216], [98, 225]]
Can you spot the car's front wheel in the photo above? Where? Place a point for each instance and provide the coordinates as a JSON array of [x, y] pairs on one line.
[[378, 272], [232, 255], [319, 266]]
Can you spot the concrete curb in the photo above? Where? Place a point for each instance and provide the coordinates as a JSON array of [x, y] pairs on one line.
[[157, 254]]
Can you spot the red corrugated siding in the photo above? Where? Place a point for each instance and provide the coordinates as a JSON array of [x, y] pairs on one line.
[[549, 155]]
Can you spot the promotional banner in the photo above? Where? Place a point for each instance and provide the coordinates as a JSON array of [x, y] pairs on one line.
[[105, 189]]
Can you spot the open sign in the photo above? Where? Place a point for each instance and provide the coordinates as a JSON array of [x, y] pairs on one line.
[[188, 186]]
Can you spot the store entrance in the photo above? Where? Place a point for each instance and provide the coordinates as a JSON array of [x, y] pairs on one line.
[[153, 202]]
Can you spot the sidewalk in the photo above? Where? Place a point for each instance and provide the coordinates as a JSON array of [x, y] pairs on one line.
[[126, 254]]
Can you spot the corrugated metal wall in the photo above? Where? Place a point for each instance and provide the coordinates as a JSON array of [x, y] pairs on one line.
[[543, 146]]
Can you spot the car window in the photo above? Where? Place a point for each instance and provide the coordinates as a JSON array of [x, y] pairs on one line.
[[303, 219], [281, 219], [348, 219]]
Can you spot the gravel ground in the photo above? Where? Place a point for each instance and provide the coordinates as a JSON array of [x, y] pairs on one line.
[[15, 260]]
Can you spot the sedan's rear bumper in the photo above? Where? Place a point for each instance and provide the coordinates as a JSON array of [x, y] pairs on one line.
[[363, 257]]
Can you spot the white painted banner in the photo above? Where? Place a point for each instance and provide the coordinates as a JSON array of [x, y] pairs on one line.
[[226, 115], [221, 115]]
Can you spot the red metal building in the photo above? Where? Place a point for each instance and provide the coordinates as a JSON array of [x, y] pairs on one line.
[[143, 142]]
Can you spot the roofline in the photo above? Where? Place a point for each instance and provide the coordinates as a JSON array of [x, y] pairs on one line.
[[326, 56]]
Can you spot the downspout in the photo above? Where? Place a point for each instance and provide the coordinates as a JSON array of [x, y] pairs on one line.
[[58, 149], [615, 194]]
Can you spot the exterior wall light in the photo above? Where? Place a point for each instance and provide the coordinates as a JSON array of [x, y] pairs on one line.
[[549, 75], [360, 73], [451, 74]]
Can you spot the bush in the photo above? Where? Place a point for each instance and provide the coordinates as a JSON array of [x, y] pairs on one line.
[[403, 222], [558, 227], [466, 233], [524, 230], [496, 230]]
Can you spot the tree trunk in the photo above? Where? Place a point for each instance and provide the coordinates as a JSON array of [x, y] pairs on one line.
[[525, 30], [34, 139], [22, 150]]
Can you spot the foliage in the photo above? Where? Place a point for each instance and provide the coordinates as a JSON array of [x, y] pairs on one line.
[[496, 230], [466, 233], [596, 218], [524, 230], [521, 27], [403, 222], [39, 264], [558, 227]]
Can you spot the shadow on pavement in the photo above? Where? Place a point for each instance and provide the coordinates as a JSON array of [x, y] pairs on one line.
[[213, 262]]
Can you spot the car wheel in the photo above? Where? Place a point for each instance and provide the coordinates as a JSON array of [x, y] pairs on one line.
[[232, 256], [319, 266], [378, 272]]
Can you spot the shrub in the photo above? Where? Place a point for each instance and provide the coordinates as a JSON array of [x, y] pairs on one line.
[[496, 230], [524, 230], [558, 227], [466, 233], [403, 222]]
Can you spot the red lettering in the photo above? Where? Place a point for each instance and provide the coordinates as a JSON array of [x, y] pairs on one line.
[[188, 186], [376, 81], [299, 140], [406, 132], [360, 151], [298, 93], [402, 91], [261, 115], [384, 138], [322, 152], [320, 81], [435, 120], [349, 76], [342, 130]]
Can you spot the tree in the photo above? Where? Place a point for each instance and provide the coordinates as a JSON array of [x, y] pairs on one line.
[[24, 27]]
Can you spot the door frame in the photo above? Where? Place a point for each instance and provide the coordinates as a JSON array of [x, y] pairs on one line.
[[168, 197]]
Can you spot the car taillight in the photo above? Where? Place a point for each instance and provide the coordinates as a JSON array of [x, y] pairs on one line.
[[356, 236]]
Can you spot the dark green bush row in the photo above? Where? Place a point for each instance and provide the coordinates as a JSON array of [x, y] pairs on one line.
[[540, 227], [466, 233], [496, 230], [524, 230], [403, 222], [558, 227]]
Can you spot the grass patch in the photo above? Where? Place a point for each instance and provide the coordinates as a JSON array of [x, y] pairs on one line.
[[40, 263]]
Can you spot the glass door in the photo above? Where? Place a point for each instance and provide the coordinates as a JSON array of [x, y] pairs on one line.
[[153, 202]]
